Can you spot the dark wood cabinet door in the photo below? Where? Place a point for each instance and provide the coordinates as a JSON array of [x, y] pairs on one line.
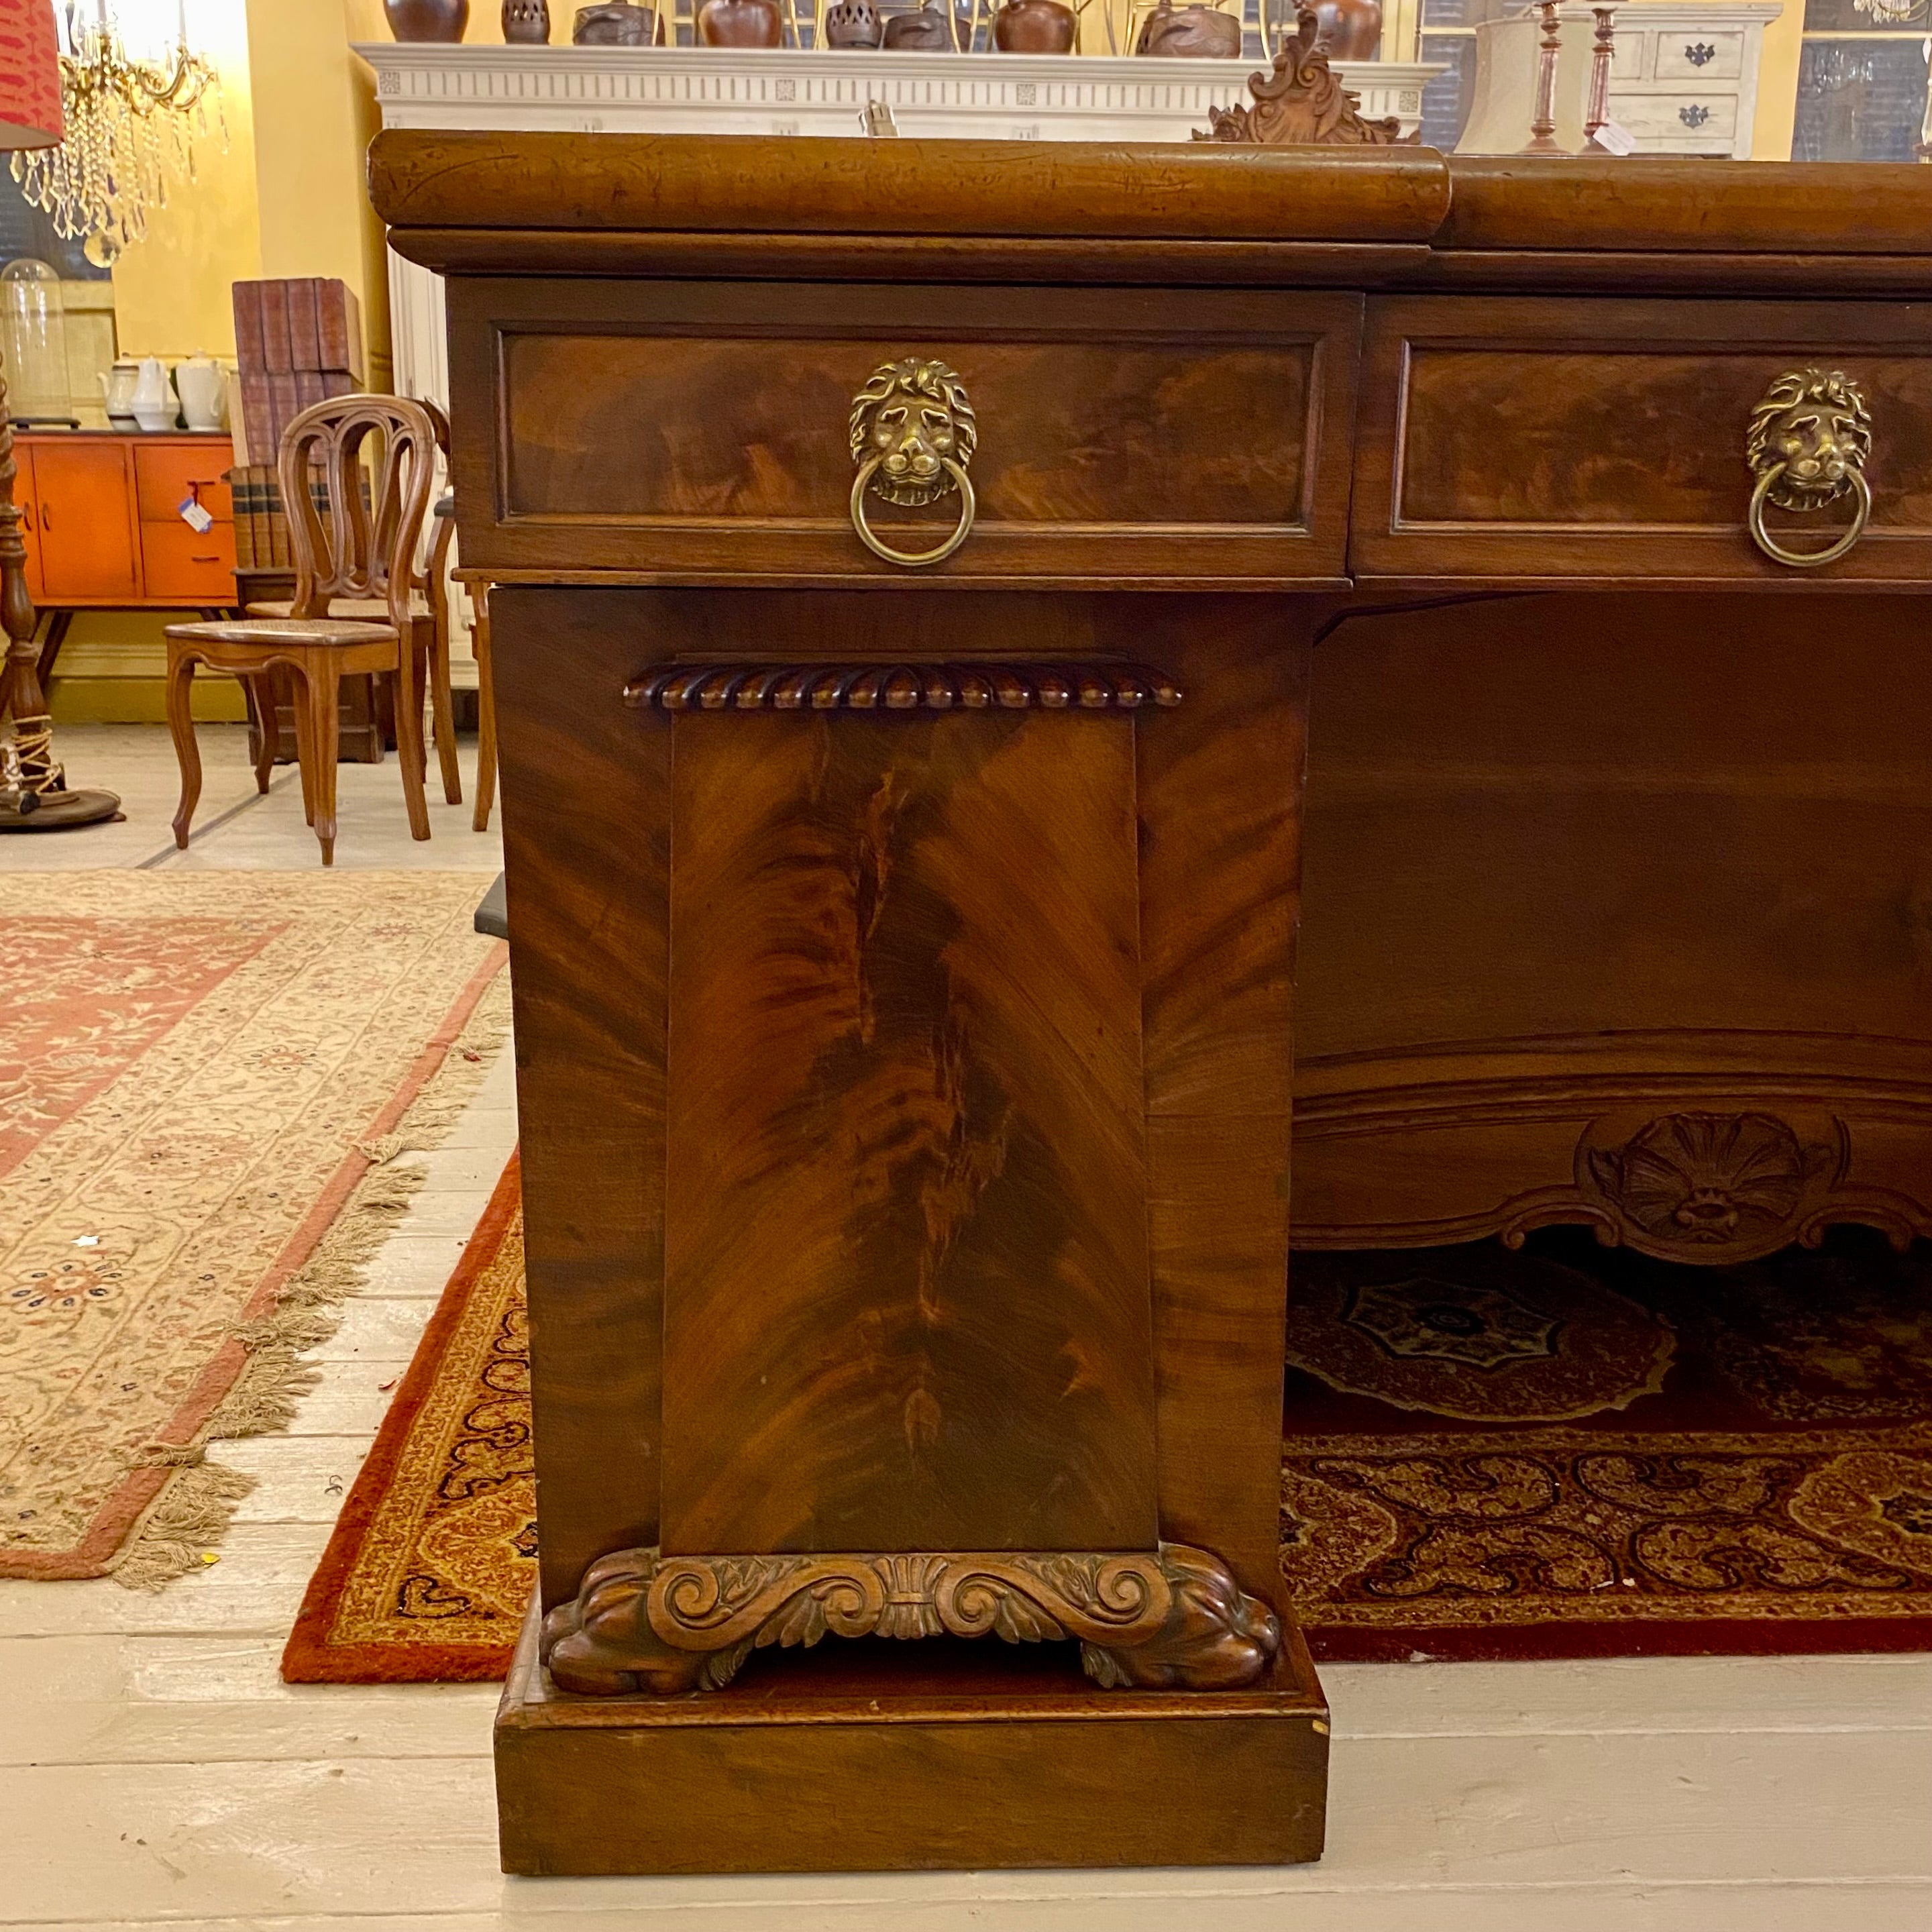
[[1559, 439]]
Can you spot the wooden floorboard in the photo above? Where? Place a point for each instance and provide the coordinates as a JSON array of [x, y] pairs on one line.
[[156, 1773]]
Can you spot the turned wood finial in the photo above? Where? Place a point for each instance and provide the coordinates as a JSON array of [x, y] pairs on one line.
[[1302, 104]]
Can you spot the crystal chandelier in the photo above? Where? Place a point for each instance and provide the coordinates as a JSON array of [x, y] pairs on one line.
[[131, 125]]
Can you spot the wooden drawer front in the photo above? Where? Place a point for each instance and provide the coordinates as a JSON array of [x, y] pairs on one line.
[[1527, 439], [1692, 55], [163, 475], [196, 566], [1687, 122], [1134, 436]]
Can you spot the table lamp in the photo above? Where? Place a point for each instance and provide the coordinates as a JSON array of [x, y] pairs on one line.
[[35, 795]]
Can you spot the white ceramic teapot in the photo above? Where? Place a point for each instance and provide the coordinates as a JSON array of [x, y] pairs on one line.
[[203, 385], [155, 407]]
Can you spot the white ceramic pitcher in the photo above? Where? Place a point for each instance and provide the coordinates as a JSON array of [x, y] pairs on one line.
[[155, 407], [202, 386]]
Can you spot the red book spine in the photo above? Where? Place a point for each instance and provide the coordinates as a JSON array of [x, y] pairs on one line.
[[284, 401], [247, 299], [258, 411], [339, 326], [305, 324], [275, 342]]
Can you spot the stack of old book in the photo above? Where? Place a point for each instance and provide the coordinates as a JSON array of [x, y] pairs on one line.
[[297, 340]]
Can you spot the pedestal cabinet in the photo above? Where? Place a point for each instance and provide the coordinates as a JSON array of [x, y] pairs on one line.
[[910, 563]]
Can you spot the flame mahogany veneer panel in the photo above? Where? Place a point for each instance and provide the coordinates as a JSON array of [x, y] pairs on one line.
[[1526, 439], [906, 1294], [1121, 436], [1073, 433]]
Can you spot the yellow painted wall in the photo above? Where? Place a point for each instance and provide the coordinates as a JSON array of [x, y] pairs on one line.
[[315, 115], [285, 199], [171, 291], [1778, 85]]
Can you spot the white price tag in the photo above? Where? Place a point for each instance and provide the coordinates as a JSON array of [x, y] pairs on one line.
[[1615, 139], [194, 516]]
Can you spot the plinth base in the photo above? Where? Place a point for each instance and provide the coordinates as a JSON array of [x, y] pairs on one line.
[[878, 1756], [62, 811]]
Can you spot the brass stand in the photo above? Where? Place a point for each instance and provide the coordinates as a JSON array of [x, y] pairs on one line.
[[34, 796]]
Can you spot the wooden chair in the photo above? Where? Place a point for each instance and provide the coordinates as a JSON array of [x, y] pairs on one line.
[[477, 583], [429, 611], [364, 552]]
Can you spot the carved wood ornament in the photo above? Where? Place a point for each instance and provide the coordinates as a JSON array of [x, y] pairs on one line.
[[1716, 1189], [1008, 687], [1171, 1618], [1302, 104]]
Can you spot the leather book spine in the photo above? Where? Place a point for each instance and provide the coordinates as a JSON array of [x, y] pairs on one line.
[[275, 339], [305, 324], [285, 401], [339, 317], [248, 300], [258, 411], [237, 480]]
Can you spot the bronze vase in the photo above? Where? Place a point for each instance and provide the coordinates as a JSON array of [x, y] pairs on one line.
[[852, 23], [615, 23], [1348, 30], [1035, 27], [1193, 32], [427, 19], [924, 31], [527, 23], [741, 23]]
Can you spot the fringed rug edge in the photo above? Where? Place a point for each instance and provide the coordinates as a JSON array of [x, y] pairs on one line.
[[309, 1657]]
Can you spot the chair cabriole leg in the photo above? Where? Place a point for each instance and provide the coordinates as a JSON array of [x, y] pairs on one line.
[[181, 726]]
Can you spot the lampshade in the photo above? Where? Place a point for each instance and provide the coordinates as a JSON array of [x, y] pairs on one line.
[[30, 81]]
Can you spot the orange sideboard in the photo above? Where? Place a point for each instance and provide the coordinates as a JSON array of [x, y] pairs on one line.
[[102, 522]]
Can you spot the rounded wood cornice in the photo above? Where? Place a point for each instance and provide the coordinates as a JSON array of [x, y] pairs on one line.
[[484, 203]]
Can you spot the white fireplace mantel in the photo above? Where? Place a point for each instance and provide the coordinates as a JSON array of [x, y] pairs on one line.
[[732, 91], [738, 90]]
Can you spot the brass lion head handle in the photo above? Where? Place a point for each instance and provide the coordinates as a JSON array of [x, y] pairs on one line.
[[1809, 435], [912, 434]]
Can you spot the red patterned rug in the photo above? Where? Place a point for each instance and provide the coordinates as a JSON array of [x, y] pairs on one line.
[[428, 1574], [1574, 1451], [1569, 1452]]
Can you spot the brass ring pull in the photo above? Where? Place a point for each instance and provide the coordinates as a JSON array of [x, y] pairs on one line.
[[1807, 560], [1809, 435], [912, 559], [913, 433]]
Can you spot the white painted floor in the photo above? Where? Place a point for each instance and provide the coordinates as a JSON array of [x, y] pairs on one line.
[[154, 1771]]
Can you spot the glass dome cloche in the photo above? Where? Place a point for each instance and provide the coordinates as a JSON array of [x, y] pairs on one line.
[[33, 341]]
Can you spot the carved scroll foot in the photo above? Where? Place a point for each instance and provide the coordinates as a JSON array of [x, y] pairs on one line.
[[1171, 1618]]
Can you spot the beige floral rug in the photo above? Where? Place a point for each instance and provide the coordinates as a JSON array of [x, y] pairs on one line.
[[202, 1077]]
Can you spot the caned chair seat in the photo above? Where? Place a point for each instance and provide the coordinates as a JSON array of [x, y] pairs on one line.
[[284, 631], [364, 609]]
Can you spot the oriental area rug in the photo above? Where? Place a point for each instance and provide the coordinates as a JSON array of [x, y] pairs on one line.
[[1567, 1452], [203, 1076]]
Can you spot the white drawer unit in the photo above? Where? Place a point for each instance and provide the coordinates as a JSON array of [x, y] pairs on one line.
[[1694, 88], [1683, 79]]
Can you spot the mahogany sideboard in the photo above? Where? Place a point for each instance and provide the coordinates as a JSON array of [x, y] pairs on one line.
[[914, 563]]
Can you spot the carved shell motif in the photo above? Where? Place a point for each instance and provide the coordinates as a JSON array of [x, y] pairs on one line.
[[1698, 1181]]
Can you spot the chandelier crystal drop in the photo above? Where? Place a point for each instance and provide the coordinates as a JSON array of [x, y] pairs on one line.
[[131, 126]]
